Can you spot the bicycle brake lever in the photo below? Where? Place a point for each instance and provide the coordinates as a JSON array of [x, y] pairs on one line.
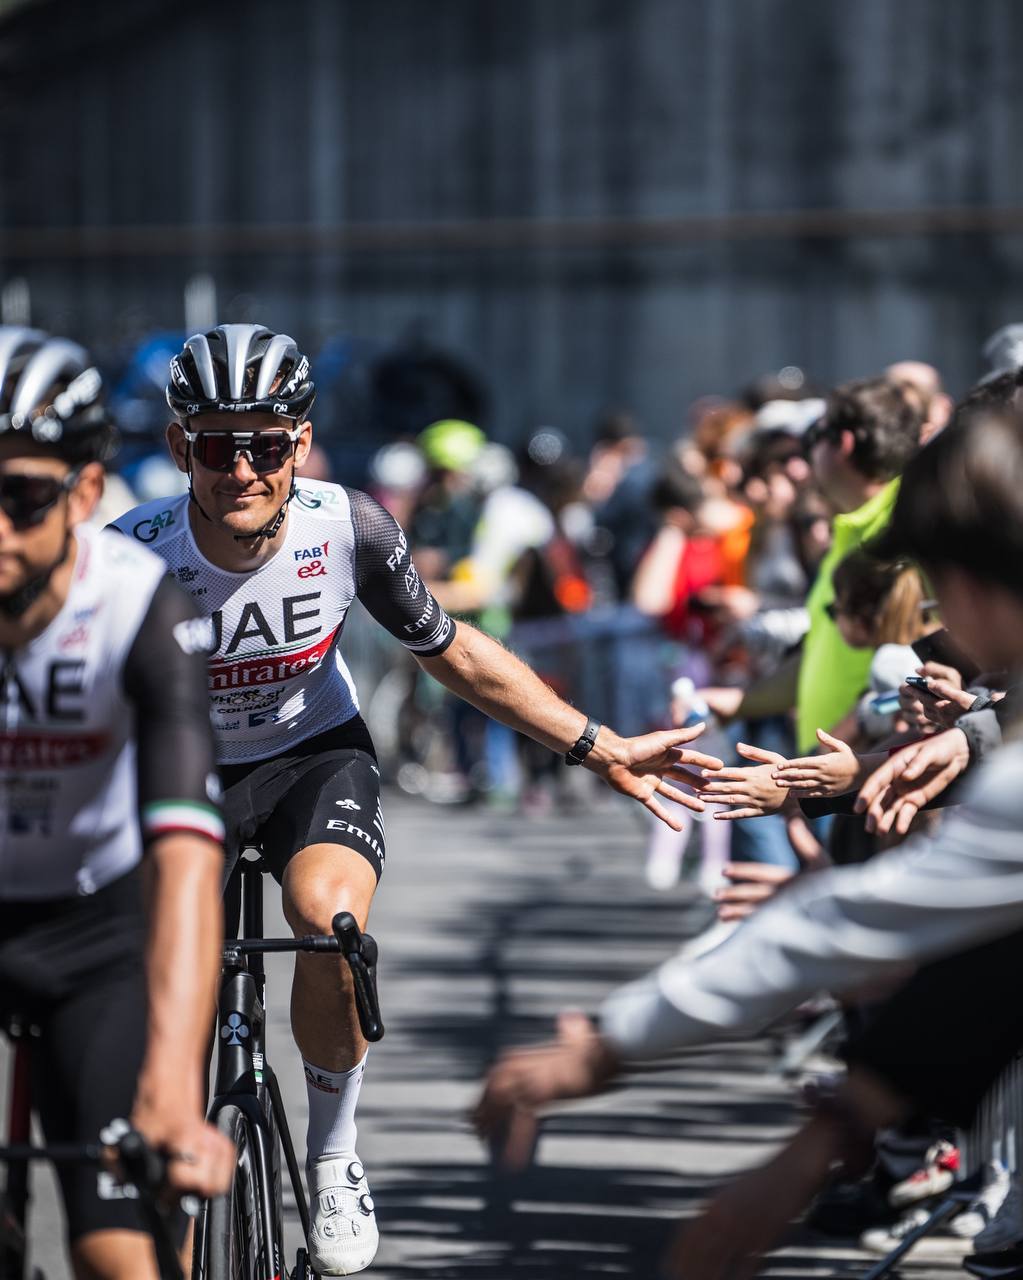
[[146, 1168], [143, 1166], [361, 952]]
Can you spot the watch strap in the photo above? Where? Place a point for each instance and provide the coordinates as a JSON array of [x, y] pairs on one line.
[[583, 747]]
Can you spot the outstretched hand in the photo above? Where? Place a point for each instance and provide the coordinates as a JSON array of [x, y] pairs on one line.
[[753, 790], [575, 1065], [894, 794], [750, 885], [832, 773], [645, 768]]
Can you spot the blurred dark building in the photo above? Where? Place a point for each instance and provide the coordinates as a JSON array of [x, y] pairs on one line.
[[588, 202]]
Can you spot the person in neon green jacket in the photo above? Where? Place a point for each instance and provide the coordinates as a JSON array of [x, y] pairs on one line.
[[831, 674]]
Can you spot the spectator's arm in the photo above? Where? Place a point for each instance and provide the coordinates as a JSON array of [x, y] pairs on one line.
[[653, 584], [841, 928]]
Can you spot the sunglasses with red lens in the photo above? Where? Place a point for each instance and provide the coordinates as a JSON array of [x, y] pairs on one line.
[[265, 451], [26, 499]]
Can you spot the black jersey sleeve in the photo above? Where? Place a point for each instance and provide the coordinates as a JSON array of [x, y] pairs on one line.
[[165, 680], [388, 583]]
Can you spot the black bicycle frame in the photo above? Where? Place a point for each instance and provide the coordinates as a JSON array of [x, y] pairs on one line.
[[242, 1067], [241, 1058]]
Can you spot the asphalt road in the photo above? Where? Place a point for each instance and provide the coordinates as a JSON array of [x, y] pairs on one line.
[[489, 925]]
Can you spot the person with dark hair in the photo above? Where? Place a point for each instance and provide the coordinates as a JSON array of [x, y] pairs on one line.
[[960, 516], [923, 380], [617, 486]]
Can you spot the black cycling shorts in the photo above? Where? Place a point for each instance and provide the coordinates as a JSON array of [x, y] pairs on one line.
[[76, 968], [325, 791]]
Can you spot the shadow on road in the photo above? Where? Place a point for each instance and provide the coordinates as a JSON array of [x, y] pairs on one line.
[[553, 1223], [539, 942]]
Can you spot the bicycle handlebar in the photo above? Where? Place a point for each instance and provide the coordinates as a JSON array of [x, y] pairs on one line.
[[144, 1167], [358, 948]]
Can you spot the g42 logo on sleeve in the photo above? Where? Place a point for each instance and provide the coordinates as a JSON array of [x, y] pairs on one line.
[[148, 530]]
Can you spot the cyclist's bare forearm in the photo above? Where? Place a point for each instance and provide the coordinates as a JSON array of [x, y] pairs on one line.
[[483, 672], [183, 889]]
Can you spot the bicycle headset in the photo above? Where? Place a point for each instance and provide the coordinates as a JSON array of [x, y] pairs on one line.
[[240, 368], [52, 395]]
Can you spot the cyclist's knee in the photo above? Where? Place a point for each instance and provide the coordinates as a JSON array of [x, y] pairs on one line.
[[316, 889]]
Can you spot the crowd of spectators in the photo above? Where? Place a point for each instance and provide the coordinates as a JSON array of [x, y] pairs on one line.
[[841, 572]]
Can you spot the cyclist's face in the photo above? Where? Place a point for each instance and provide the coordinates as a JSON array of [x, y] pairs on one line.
[[36, 512], [243, 499]]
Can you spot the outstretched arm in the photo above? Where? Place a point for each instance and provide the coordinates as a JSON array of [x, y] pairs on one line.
[[834, 930], [481, 671]]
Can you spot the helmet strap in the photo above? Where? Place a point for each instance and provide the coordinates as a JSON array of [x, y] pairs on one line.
[[269, 530], [273, 527]]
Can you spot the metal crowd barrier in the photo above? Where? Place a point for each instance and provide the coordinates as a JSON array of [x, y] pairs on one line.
[[614, 662], [994, 1135]]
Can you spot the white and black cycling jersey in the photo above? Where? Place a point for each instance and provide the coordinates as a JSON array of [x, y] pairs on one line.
[[276, 675], [104, 728]]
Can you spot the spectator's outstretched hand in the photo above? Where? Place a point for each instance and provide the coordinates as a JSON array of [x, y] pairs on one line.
[[832, 773], [647, 767], [751, 884], [894, 794], [579, 1063], [752, 790]]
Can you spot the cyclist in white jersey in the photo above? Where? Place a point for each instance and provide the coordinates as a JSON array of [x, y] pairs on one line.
[[105, 762], [276, 562]]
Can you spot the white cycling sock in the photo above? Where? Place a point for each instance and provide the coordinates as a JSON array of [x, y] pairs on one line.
[[333, 1097]]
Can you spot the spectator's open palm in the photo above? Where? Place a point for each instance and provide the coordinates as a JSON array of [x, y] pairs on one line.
[[752, 790], [832, 773]]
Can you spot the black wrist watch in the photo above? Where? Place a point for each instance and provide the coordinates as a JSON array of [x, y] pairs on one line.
[[584, 746]]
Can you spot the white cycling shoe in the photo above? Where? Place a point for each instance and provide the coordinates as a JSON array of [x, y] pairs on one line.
[[343, 1236]]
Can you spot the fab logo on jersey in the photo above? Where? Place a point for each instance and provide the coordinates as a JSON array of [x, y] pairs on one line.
[[312, 558]]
